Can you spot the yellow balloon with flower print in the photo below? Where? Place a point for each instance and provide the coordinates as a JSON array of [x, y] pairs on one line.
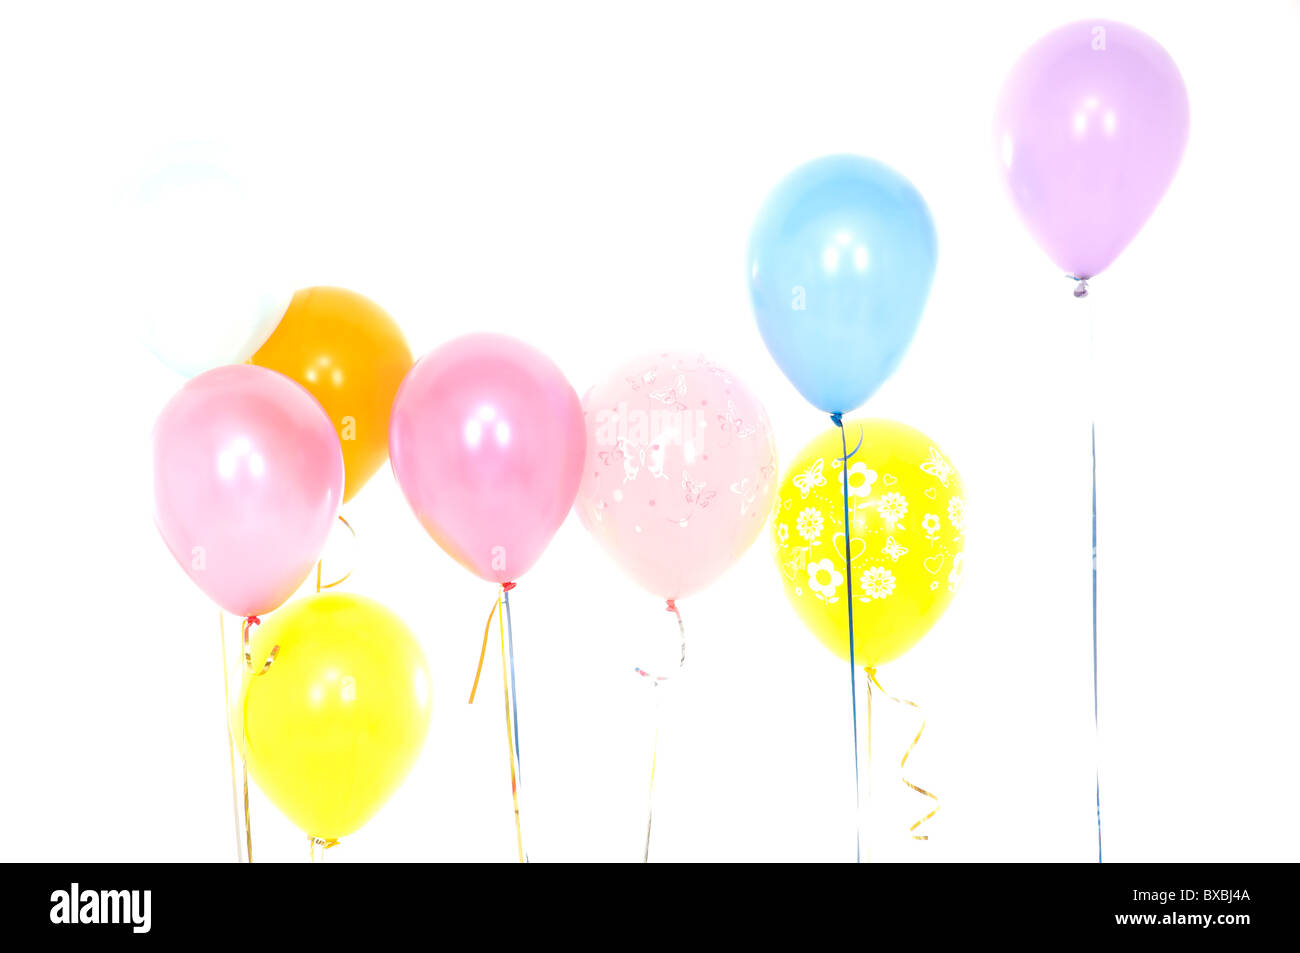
[[907, 524]]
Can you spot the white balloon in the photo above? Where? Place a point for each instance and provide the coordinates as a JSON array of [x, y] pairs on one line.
[[201, 265]]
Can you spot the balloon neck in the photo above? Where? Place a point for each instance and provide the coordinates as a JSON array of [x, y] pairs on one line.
[[838, 420], [507, 586], [670, 605], [1080, 289]]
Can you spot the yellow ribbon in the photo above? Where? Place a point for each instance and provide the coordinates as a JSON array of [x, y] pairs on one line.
[[871, 675], [343, 578], [324, 843], [246, 673], [482, 653], [499, 613]]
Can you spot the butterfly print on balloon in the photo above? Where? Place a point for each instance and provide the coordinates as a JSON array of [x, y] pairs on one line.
[[747, 490], [938, 467], [647, 379], [731, 424], [672, 396], [634, 457], [810, 478]]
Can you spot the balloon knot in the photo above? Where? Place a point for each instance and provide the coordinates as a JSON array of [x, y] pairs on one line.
[[671, 606], [838, 420], [507, 586], [1081, 289], [253, 620]]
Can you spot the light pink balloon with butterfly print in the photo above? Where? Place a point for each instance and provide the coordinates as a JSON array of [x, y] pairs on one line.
[[680, 471]]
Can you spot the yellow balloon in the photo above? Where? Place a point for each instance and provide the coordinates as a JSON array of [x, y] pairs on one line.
[[907, 513], [351, 356], [336, 723]]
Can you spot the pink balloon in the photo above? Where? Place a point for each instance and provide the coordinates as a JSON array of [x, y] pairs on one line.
[[681, 470], [486, 442], [1089, 134], [247, 476]]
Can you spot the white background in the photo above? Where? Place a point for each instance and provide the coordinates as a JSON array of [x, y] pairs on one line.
[[584, 177]]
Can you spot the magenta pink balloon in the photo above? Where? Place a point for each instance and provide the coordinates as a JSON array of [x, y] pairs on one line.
[[247, 477], [486, 442], [681, 470], [1089, 133]]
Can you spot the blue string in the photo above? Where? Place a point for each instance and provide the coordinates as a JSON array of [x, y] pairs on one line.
[[1096, 723], [514, 700], [838, 421]]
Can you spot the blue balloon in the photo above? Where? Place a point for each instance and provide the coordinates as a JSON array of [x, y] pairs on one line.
[[840, 265]]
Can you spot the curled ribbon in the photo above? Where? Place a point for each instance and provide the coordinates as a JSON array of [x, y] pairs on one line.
[[248, 671], [245, 628], [343, 578], [323, 843], [656, 681], [487, 629], [871, 675]]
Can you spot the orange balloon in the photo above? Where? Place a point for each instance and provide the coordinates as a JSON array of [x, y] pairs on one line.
[[352, 356]]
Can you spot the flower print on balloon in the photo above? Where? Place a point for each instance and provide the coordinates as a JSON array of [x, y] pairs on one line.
[[809, 524], [824, 579], [930, 526], [957, 513], [860, 480], [876, 583], [892, 508]]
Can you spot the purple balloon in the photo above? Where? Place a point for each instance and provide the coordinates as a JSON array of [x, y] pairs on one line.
[[1090, 131]]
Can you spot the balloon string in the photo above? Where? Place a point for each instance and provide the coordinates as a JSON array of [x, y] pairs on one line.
[[656, 681], [248, 821], [1096, 720], [514, 694], [501, 611], [487, 630], [343, 578], [838, 420], [872, 680], [1096, 708], [245, 628], [510, 744], [230, 739], [871, 816]]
